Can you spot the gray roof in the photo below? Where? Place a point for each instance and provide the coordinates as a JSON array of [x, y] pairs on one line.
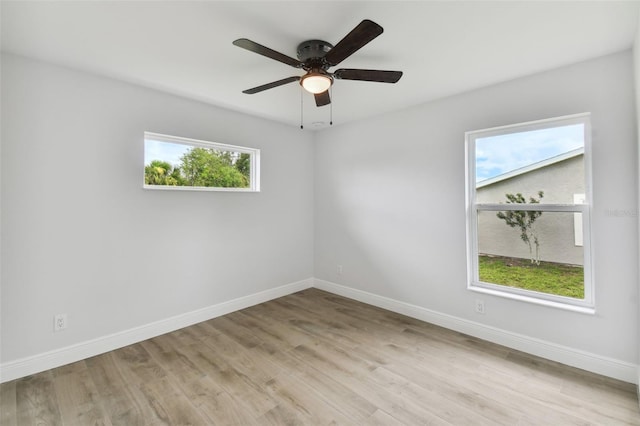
[[531, 167]]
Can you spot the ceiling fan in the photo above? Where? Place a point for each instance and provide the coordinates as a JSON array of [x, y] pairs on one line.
[[317, 56]]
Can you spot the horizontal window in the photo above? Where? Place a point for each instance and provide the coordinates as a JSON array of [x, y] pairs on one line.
[[176, 163]]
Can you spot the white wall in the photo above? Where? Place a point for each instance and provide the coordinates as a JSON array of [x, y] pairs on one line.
[[390, 204], [80, 235]]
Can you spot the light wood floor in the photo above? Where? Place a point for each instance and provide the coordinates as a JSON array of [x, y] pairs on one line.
[[314, 358]]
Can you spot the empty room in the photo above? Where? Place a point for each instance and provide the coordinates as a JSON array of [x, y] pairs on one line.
[[319, 212]]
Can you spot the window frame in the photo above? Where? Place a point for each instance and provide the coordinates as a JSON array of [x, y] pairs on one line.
[[586, 305], [254, 153]]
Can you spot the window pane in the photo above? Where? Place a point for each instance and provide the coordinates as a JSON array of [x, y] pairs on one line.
[[546, 161], [531, 250], [538, 255], [183, 165]]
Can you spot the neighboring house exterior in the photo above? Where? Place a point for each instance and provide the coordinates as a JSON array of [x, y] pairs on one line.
[[561, 178]]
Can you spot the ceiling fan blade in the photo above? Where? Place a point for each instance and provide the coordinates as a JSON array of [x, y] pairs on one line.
[[323, 98], [252, 46], [362, 34], [368, 75], [271, 85]]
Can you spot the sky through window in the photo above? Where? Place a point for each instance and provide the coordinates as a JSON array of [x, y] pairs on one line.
[[164, 151], [496, 155]]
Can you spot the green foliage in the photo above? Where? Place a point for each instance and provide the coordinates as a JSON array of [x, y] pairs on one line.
[[243, 165], [211, 168], [204, 167], [162, 173], [524, 221], [548, 277]]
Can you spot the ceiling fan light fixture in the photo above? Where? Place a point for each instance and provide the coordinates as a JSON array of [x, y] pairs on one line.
[[316, 82]]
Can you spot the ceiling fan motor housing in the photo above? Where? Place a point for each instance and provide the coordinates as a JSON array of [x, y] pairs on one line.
[[313, 49]]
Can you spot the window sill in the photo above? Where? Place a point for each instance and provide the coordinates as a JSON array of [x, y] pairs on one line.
[[197, 188], [588, 310]]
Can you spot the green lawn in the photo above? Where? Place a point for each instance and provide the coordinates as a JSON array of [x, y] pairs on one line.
[[548, 277]]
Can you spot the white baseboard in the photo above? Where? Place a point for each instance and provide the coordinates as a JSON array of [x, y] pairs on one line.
[[605, 366], [56, 358]]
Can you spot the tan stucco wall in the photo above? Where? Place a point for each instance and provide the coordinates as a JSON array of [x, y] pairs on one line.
[[559, 181]]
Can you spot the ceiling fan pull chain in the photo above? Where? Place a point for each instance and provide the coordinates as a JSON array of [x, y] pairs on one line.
[[301, 107], [331, 107]]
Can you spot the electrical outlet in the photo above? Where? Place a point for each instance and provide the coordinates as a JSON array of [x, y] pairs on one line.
[[59, 322], [480, 306], [339, 269]]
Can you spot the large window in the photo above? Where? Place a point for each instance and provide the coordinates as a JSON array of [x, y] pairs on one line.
[[186, 164], [528, 203]]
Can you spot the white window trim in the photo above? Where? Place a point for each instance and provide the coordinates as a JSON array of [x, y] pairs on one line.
[[578, 239], [254, 181], [586, 305]]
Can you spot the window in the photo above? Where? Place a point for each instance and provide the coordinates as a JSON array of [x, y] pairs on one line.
[[176, 163], [528, 204]]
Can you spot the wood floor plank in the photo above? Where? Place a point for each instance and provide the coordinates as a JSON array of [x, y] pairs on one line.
[[315, 358], [8, 404], [281, 415], [78, 397], [300, 397], [270, 331], [439, 405], [136, 365], [352, 373], [37, 403], [352, 404], [215, 404], [454, 386], [240, 334], [381, 418], [122, 399], [105, 374], [119, 400], [171, 406], [169, 354], [243, 381], [259, 369]]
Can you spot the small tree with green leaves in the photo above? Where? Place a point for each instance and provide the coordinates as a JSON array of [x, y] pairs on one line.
[[524, 221], [162, 173], [211, 168]]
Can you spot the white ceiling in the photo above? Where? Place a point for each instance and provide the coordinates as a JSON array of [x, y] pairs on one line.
[[443, 47]]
